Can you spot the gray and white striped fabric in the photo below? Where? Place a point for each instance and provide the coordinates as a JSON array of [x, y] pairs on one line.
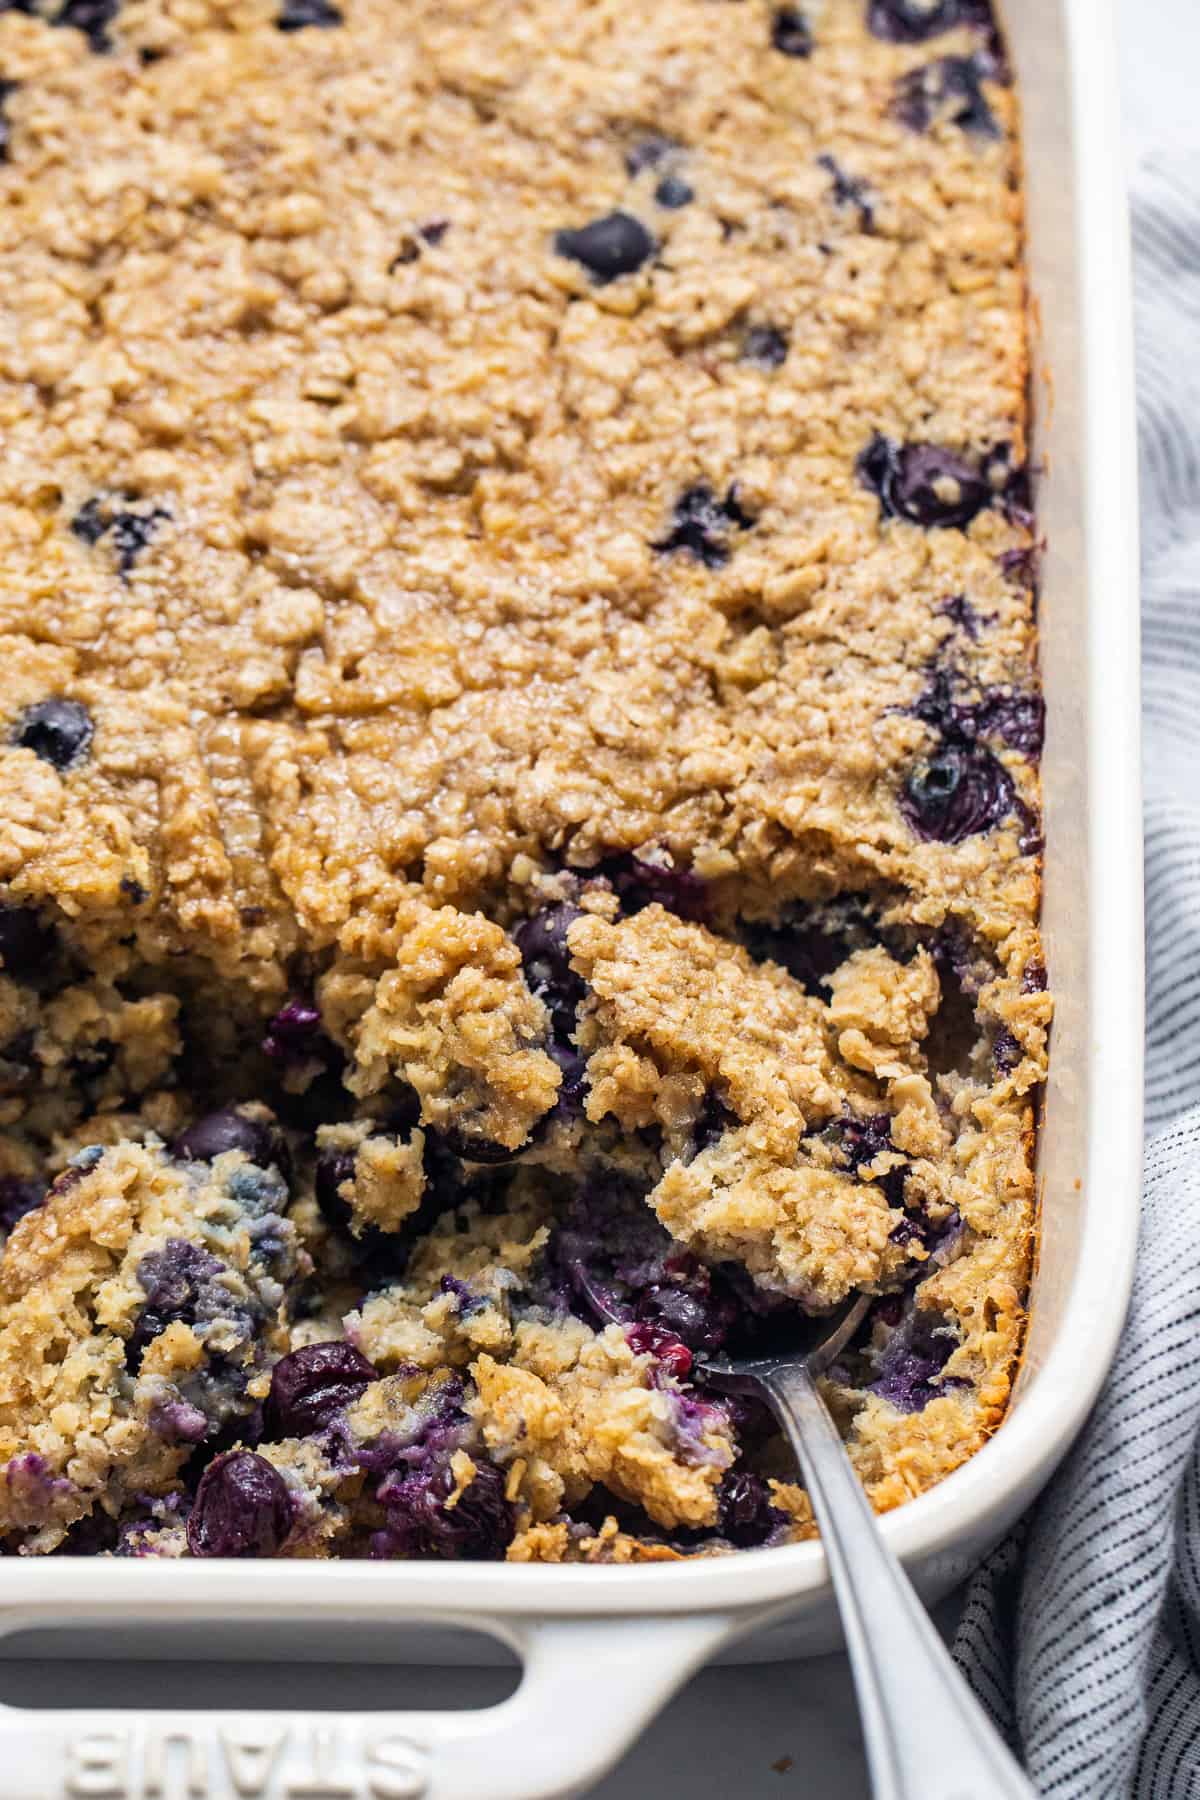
[[1082, 1634]]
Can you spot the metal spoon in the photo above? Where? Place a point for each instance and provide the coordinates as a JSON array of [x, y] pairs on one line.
[[927, 1737]]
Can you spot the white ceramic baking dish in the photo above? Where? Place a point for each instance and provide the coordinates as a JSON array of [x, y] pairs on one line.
[[604, 1648]]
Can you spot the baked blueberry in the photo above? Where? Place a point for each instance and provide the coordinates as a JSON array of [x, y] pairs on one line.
[[648, 153], [950, 88], [962, 614], [924, 483], [791, 32], [6, 88], [313, 1383], [59, 731], [848, 190], [18, 1196], [1017, 718], [129, 532], [958, 792], [422, 1522], [765, 345], [673, 192], [745, 1515], [293, 1034], [702, 524], [295, 15], [609, 247], [542, 941], [27, 946], [180, 1280], [915, 21], [917, 1352], [242, 1508], [232, 1129]]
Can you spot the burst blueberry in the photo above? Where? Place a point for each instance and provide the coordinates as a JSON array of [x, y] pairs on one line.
[[312, 1384], [916, 21], [27, 946], [297, 15], [256, 1135], [174, 1280], [766, 346], [57, 730], [791, 33], [951, 88], [924, 483], [957, 793], [242, 1508], [609, 247], [674, 192], [746, 1516]]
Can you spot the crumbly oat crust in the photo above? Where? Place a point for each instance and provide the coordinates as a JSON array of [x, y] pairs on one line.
[[516, 581]]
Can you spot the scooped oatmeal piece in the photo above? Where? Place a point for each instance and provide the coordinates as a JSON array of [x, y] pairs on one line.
[[139, 1310]]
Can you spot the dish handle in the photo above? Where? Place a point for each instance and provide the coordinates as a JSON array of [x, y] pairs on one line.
[[589, 1688]]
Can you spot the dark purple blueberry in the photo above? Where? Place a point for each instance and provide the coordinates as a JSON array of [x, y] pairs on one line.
[[1021, 565], [953, 87], [1033, 981], [765, 346], [1017, 719], [546, 959], [472, 1147], [133, 890], [18, 1196], [673, 192], [648, 154], [609, 247], [129, 532], [174, 1280], [916, 21], [242, 1508], [477, 1528], [293, 1034], [59, 731], [231, 1129], [6, 88], [433, 231], [859, 1141], [960, 612], [957, 793], [848, 190], [468, 1300], [611, 1262], [334, 1169], [313, 1383], [295, 15], [569, 1102], [702, 524], [791, 32], [745, 1515], [26, 944], [714, 1120], [1006, 1052], [924, 483], [916, 1354], [646, 1338], [810, 943], [641, 883]]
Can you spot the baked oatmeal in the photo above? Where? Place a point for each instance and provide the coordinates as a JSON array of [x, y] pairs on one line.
[[520, 819]]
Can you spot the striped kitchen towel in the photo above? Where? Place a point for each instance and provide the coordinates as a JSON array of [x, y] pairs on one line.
[[1082, 1633]]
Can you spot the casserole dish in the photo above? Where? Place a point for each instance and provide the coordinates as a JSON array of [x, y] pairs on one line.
[[604, 1648]]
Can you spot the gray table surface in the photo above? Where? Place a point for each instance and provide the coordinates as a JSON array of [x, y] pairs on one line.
[[758, 1732]]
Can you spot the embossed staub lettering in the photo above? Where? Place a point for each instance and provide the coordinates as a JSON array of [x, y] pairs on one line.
[[330, 1761]]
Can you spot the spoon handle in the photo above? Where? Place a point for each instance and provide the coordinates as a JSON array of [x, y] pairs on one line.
[[927, 1737]]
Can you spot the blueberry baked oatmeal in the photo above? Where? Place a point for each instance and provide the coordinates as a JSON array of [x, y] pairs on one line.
[[520, 823]]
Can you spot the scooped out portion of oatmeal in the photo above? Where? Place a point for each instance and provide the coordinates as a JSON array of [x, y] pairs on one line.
[[519, 799]]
